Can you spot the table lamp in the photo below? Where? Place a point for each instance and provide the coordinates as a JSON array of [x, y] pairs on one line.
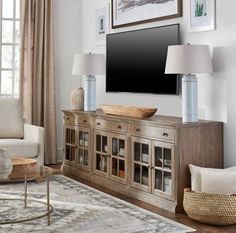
[[89, 65], [188, 60]]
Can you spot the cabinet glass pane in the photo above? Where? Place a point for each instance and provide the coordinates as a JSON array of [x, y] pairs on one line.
[[72, 136], [103, 164], [121, 168], [158, 179], [104, 144], [114, 166], [167, 157], [98, 143], [122, 148], [137, 173], [137, 151], [167, 182], [68, 153], [145, 149], [86, 157], [81, 156], [98, 161], [158, 156], [86, 139], [114, 146], [145, 175], [81, 138]]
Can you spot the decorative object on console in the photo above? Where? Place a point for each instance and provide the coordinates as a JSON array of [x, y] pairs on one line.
[[188, 60], [5, 164], [202, 15], [77, 95], [127, 13], [89, 65], [130, 111]]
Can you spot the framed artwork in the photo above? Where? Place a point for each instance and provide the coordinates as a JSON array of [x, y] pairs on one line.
[[101, 25], [202, 15], [127, 13]]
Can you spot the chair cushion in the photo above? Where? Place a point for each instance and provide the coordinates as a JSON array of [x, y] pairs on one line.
[[20, 147], [11, 118]]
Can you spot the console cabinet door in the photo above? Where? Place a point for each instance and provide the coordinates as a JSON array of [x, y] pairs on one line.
[[141, 164], [163, 175], [101, 154], [70, 148], [118, 158], [83, 146]]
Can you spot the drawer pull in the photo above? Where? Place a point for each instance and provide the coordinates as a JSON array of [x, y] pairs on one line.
[[165, 134], [84, 121], [98, 123], [67, 118], [138, 130], [119, 127]]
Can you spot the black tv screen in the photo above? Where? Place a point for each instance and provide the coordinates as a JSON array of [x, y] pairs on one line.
[[136, 61]]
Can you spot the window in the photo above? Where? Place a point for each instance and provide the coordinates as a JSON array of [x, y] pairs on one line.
[[9, 49]]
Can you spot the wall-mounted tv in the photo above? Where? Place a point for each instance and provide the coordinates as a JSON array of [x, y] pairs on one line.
[[136, 61]]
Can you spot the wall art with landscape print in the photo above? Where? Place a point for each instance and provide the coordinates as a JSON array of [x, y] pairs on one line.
[[130, 12]]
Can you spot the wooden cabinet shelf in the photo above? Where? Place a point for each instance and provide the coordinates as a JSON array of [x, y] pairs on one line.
[[143, 158]]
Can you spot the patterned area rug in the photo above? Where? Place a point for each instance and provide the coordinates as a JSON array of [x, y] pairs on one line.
[[79, 209]]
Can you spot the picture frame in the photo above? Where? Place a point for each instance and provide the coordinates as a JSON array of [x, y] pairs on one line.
[[202, 15], [128, 13], [101, 25]]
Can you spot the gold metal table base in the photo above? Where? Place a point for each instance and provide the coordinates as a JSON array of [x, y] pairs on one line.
[[49, 211]]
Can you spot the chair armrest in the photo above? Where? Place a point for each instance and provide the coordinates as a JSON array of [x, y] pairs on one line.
[[36, 134]]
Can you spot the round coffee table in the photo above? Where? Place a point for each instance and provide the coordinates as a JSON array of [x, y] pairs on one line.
[[33, 173]]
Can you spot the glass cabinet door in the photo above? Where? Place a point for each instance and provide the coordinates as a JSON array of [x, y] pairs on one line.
[[141, 160], [118, 158], [162, 164], [83, 149], [101, 154], [70, 144]]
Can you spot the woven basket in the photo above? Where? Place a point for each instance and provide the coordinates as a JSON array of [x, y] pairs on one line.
[[217, 209]]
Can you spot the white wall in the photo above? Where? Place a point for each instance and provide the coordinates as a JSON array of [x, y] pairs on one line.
[[217, 92], [68, 41]]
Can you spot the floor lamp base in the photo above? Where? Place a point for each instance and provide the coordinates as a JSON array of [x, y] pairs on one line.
[[189, 98]]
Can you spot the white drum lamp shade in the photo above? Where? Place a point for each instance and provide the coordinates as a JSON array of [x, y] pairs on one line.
[[89, 65], [189, 60]]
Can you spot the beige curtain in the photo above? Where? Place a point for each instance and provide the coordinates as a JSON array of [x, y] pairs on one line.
[[37, 88]]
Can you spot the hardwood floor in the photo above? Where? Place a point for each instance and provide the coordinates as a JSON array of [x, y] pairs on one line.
[[181, 218]]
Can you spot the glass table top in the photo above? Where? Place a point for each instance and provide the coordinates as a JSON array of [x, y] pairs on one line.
[[33, 173]]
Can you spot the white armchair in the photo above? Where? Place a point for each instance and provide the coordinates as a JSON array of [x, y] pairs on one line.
[[20, 140]]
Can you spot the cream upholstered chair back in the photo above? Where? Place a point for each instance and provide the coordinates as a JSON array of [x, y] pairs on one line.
[[11, 118]]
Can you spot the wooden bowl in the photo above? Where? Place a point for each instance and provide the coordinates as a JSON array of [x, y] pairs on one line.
[[129, 111]]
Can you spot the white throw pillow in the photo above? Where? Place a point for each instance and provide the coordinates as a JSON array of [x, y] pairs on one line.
[[196, 175], [11, 118], [218, 182]]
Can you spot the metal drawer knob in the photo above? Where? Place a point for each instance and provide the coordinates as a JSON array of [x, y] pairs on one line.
[[84, 121], [98, 123], [137, 130], [165, 134], [119, 127]]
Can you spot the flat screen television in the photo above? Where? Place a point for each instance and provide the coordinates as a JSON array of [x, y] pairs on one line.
[[136, 61]]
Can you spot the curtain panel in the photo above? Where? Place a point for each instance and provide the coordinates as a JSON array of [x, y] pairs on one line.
[[37, 81]]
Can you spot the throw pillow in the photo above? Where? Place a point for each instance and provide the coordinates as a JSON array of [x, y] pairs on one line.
[[218, 182], [11, 118], [196, 175]]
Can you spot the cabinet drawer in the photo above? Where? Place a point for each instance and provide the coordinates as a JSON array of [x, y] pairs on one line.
[[111, 125], [69, 119], [154, 132], [84, 120]]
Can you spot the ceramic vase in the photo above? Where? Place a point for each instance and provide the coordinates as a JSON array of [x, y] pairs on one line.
[[5, 164], [77, 99]]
